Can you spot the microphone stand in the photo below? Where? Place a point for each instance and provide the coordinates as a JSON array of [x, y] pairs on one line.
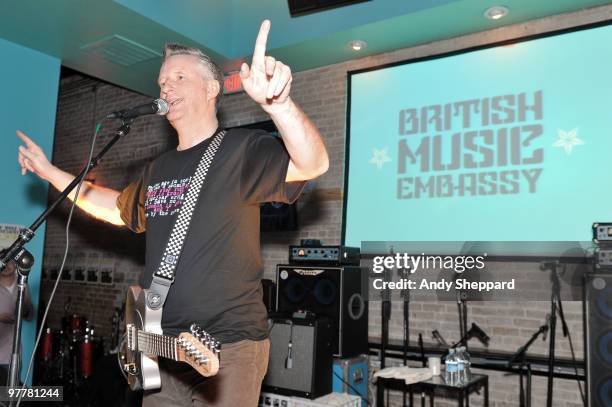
[[406, 296], [555, 304], [24, 260], [436, 335], [385, 317], [519, 358], [462, 313], [16, 250], [464, 340]]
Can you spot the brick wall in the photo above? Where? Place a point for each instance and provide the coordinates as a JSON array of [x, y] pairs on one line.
[[322, 94]]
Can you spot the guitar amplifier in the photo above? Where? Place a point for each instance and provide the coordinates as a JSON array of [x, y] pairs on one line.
[[602, 233], [339, 293], [300, 361], [324, 255]]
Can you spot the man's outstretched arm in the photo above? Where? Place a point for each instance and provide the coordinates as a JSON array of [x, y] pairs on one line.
[[100, 202]]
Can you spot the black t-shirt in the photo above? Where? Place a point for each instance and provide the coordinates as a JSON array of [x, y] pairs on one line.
[[218, 277]]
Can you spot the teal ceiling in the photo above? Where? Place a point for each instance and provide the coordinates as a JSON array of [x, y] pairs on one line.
[[226, 29]]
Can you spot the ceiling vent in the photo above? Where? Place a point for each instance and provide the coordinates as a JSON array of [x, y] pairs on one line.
[[301, 7], [120, 50]]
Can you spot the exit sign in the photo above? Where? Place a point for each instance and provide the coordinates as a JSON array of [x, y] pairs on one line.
[[232, 83]]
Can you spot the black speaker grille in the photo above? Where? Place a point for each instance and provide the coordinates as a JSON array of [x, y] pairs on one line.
[[325, 291], [598, 303], [603, 300], [603, 388], [604, 347]]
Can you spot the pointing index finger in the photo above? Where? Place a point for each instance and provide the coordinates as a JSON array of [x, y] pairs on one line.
[[24, 138], [260, 43]]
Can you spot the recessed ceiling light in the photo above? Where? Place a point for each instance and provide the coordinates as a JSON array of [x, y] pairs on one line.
[[496, 12], [357, 45]]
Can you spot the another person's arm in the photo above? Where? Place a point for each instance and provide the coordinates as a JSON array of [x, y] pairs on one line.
[[97, 201], [7, 318]]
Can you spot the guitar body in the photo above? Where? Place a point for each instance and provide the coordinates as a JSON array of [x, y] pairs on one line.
[[142, 369], [144, 342]]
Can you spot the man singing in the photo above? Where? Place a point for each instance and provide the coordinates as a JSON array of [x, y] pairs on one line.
[[217, 280]]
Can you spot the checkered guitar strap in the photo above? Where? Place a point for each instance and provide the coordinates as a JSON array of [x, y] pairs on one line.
[[164, 276]]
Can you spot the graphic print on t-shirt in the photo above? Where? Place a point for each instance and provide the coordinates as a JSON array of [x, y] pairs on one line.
[[165, 198]]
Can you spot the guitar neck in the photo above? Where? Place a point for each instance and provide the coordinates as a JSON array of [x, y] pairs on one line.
[[152, 344], [199, 349]]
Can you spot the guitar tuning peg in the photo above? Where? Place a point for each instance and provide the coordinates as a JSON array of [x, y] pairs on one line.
[[193, 329]]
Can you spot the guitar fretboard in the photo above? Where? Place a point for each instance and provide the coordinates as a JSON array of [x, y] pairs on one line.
[[151, 343]]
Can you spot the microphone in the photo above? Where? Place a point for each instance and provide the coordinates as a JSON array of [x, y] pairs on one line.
[[289, 358], [476, 331], [158, 106], [25, 262]]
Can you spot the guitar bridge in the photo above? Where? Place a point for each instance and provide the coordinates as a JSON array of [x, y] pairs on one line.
[[130, 368]]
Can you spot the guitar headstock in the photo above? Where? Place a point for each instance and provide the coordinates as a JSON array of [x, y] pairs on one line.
[[200, 350]]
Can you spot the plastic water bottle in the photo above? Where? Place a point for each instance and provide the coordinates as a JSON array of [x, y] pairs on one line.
[[460, 365], [467, 375], [451, 368]]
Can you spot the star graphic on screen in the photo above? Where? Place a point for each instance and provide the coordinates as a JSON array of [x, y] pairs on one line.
[[567, 140], [380, 157]]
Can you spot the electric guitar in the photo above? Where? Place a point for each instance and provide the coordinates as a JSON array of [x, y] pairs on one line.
[[144, 343]]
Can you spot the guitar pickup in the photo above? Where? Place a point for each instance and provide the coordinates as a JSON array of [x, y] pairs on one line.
[[132, 337]]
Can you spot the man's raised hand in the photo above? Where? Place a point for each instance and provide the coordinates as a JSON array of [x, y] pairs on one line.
[[267, 81]]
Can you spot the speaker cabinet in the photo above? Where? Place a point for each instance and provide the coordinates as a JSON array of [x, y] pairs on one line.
[[300, 357], [598, 328], [338, 293]]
